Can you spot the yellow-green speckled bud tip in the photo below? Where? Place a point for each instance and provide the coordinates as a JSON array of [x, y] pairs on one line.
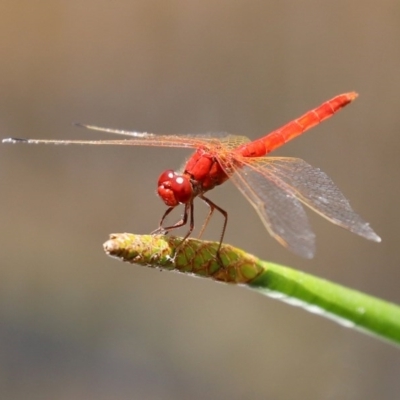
[[192, 256]]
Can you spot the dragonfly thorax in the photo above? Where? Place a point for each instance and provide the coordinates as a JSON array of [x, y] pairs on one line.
[[174, 188]]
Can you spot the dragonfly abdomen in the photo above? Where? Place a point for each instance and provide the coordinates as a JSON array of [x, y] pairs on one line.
[[277, 138]]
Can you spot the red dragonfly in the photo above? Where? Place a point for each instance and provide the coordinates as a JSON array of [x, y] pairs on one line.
[[277, 187]]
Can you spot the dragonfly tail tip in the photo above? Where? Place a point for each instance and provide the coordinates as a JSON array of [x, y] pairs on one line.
[[353, 95]]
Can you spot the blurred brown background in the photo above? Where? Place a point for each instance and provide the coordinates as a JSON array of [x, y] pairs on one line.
[[75, 324]]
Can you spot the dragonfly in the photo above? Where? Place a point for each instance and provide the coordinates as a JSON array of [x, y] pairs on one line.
[[277, 187]]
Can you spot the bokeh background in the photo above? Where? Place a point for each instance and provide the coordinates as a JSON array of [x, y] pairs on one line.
[[75, 324]]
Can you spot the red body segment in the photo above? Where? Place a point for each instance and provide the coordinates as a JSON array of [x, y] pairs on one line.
[[279, 137], [205, 170]]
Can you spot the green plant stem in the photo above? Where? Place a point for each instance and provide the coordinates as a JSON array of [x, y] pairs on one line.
[[346, 306]]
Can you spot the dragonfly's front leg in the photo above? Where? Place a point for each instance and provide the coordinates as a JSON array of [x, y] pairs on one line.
[[183, 221], [161, 230]]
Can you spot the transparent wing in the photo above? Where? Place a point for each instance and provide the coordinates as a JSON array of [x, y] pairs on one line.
[[280, 211], [309, 185], [208, 141]]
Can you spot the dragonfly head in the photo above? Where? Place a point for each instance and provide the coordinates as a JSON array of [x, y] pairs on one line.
[[174, 188]]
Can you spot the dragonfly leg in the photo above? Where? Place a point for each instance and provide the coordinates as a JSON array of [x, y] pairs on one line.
[[183, 221], [188, 210], [161, 230], [207, 220], [213, 207]]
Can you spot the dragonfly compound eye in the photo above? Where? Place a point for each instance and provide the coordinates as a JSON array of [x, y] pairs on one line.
[[174, 188]]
